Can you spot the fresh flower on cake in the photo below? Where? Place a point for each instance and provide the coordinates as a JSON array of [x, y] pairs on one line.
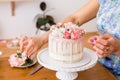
[[67, 31], [19, 59]]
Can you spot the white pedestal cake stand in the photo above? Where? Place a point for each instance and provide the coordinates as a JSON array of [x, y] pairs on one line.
[[67, 71]]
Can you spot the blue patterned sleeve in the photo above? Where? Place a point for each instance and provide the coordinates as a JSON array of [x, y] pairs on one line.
[[101, 1]]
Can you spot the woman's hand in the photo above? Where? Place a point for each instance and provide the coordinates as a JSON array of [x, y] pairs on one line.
[[105, 45], [30, 45]]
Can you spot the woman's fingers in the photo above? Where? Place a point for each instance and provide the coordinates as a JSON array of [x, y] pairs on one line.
[[32, 51], [92, 39], [23, 38], [99, 45], [102, 41], [98, 50], [102, 53], [106, 36], [23, 45], [23, 42], [105, 45], [29, 46], [102, 50]]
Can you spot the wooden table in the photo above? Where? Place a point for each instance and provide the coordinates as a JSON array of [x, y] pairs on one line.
[[98, 72]]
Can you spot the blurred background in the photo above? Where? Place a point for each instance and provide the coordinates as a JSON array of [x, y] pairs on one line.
[[23, 23]]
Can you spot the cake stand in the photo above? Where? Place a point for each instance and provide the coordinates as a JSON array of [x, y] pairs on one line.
[[67, 71]]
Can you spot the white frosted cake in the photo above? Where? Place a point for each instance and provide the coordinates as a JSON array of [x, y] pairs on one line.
[[66, 42]]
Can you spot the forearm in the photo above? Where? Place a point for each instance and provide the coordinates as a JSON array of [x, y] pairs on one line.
[[84, 14], [46, 36], [42, 39]]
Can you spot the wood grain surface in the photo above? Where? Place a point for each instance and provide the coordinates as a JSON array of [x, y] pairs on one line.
[[98, 72]]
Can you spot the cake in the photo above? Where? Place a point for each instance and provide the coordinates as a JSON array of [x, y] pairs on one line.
[[66, 42]]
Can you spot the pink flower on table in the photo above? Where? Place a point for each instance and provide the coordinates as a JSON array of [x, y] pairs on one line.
[[15, 61]]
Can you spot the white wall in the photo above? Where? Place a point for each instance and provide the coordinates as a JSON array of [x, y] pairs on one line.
[[22, 23]]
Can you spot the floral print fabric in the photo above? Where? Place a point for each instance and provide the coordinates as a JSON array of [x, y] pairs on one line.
[[108, 21]]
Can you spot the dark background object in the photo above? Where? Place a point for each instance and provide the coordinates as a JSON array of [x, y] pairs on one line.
[[45, 21]]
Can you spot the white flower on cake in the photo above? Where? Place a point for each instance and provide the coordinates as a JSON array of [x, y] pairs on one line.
[[67, 31]]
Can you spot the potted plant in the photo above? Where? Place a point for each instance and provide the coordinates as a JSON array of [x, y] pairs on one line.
[[43, 21]]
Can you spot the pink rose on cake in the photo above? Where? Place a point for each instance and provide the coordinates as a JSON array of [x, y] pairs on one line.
[[67, 35], [67, 31], [76, 33]]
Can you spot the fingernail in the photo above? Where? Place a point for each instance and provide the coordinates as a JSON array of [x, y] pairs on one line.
[[91, 40], [95, 38], [92, 44]]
